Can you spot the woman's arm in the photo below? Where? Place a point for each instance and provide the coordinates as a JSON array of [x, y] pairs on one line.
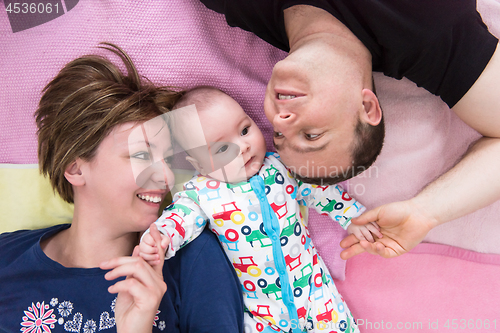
[[139, 295]]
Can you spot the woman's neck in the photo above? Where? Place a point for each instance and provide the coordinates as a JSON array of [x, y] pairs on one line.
[[85, 246]]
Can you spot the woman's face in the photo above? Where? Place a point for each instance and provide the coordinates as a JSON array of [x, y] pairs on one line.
[[129, 176]]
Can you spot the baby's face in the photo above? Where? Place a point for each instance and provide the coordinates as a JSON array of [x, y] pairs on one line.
[[234, 142]]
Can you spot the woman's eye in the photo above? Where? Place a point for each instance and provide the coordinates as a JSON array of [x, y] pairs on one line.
[[311, 136], [278, 134], [222, 149], [245, 131], [141, 156]]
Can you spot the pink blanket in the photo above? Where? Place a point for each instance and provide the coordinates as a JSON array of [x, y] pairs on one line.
[[182, 43], [434, 288]]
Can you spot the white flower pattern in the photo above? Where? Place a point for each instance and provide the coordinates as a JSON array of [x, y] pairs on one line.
[[41, 318], [65, 308], [113, 304], [90, 326]]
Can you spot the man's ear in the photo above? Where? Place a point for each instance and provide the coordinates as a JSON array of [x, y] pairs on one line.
[[371, 113], [74, 174], [196, 165]]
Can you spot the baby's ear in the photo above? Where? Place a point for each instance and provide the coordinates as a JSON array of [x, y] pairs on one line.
[[196, 165]]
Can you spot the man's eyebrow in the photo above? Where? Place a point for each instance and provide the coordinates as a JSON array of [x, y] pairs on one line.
[[301, 150]]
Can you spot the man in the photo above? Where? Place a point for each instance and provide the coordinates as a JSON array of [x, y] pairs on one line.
[[328, 121]]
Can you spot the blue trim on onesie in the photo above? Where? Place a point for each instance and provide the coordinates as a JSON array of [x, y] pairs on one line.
[[272, 228]]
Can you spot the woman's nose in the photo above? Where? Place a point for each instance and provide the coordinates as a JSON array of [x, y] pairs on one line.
[[160, 173]]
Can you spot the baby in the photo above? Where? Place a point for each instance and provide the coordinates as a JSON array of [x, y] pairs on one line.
[[252, 203]]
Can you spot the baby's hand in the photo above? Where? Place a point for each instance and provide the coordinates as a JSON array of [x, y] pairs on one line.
[[149, 245], [365, 232]]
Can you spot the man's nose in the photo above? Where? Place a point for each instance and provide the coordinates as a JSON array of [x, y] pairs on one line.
[[284, 118]]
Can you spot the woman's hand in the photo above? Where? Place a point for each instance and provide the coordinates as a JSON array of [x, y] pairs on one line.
[[140, 294], [402, 224]]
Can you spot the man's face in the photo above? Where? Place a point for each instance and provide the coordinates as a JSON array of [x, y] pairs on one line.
[[313, 115]]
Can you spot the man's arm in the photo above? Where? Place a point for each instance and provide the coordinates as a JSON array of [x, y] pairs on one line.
[[454, 194]]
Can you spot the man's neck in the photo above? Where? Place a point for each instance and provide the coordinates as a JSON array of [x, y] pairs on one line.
[[303, 22]]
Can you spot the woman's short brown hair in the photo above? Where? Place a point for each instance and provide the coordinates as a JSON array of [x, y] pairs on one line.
[[83, 103]]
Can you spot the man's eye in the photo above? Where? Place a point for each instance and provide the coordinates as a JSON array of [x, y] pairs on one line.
[[278, 134], [245, 131], [312, 136], [141, 156], [222, 149]]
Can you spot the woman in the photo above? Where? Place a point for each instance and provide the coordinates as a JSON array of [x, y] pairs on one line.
[[103, 143]]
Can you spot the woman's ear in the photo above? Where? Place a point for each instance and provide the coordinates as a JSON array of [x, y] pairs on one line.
[[196, 165], [371, 113], [74, 174]]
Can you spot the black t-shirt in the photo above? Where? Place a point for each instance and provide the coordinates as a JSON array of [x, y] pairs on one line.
[[441, 45]]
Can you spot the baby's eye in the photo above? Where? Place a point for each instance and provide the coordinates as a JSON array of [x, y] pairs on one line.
[[311, 136], [169, 160], [245, 131], [222, 149], [141, 156]]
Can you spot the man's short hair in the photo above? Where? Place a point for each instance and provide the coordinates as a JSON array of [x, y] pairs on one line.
[[83, 103]]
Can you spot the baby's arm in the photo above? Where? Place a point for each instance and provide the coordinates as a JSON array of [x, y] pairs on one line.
[[330, 200], [179, 224], [365, 232], [341, 207]]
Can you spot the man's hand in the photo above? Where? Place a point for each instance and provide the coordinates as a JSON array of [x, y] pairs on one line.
[[402, 224]]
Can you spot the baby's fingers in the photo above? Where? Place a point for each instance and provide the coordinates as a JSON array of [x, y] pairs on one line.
[[148, 239], [374, 228], [358, 232], [151, 259], [366, 235], [148, 249]]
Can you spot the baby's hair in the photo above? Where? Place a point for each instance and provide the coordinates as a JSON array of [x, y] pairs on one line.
[[201, 96]]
